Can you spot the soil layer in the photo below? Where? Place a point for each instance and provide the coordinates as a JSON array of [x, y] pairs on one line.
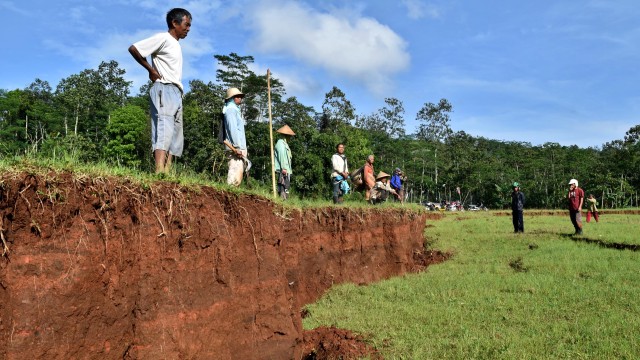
[[102, 268]]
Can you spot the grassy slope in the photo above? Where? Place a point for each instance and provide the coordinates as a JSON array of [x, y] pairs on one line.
[[14, 166], [559, 298]]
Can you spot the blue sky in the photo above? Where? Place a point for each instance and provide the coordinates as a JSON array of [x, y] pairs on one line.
[[535, 71]]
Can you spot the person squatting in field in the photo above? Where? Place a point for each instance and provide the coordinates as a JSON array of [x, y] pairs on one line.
[[381, 190], [166, 93]]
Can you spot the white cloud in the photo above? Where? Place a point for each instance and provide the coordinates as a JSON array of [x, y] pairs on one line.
[[113, 46], [12, 7], [417, 9], [295, 82], [358, 48]]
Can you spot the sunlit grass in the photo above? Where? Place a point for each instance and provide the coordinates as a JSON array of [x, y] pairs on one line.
[[539, 295], [182, 176]]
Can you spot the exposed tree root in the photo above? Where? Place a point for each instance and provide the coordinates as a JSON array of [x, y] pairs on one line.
[[5, 248]]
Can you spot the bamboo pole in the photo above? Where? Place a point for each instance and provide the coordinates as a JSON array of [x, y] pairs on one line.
[[273, 169]]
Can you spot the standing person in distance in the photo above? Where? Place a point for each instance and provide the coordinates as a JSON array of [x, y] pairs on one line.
[[234, 133], [517, 208], [339, 172], [576, 199], [166, 93], [368, 177], [282, 158], [396, 183], [592, 209]]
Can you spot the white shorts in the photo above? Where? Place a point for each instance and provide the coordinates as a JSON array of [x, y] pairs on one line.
[[166, 118]]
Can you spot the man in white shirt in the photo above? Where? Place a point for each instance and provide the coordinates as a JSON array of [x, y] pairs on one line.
[[166, 93], [339, 172]]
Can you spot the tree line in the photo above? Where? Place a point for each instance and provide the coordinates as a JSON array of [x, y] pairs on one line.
[[92, 117]]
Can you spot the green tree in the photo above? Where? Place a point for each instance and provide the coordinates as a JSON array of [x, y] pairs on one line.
[[12, 122], [435, 121], [233, 70], [337, 111], [202, 118], [128, 136], [392, 118], [74, 96], [38, 107], [308, 179]]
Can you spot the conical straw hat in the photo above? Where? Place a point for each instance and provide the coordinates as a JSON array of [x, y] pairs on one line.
[[286, 130], [382, 175]]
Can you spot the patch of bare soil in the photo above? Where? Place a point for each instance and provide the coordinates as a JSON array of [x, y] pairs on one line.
[[101, 268], [334, 343]]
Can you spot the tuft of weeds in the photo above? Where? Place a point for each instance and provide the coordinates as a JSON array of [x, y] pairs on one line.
[[518, 265]]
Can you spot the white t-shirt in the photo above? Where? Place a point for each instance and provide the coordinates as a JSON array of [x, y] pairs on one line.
[[166, 56]]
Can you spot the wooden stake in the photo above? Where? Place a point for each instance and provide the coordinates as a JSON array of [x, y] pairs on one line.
[[273, 166]]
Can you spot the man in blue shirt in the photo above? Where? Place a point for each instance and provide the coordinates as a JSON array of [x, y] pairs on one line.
[[234, 133], [396, 183]]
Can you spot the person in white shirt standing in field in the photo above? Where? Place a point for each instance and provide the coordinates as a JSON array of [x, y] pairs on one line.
[[166, 93]]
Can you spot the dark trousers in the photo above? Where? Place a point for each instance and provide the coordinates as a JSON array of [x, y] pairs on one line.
[[576, 220], [284, 183], [518, 221], [337, 193]]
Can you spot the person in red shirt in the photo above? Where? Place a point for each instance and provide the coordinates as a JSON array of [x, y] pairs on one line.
[[576, 198]]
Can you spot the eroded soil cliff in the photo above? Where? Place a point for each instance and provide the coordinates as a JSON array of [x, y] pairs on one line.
[[101, 268]]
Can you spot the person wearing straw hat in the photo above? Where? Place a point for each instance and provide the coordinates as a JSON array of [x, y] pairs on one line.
[[380, 192], [282, 158], [234, 133], [165, 72]]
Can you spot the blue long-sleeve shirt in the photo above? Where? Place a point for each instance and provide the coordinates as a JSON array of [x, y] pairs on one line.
[[396, 183], [234, 125]]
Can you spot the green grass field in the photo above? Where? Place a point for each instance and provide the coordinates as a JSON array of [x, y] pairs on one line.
[[539, 295]]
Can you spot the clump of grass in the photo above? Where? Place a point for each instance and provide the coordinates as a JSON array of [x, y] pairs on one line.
[[518, 265]]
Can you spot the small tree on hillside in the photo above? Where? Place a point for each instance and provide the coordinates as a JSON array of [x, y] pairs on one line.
[[127, 136]]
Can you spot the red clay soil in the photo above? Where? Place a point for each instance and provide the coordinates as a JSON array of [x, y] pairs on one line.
[[101, 268], [333, 343]]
